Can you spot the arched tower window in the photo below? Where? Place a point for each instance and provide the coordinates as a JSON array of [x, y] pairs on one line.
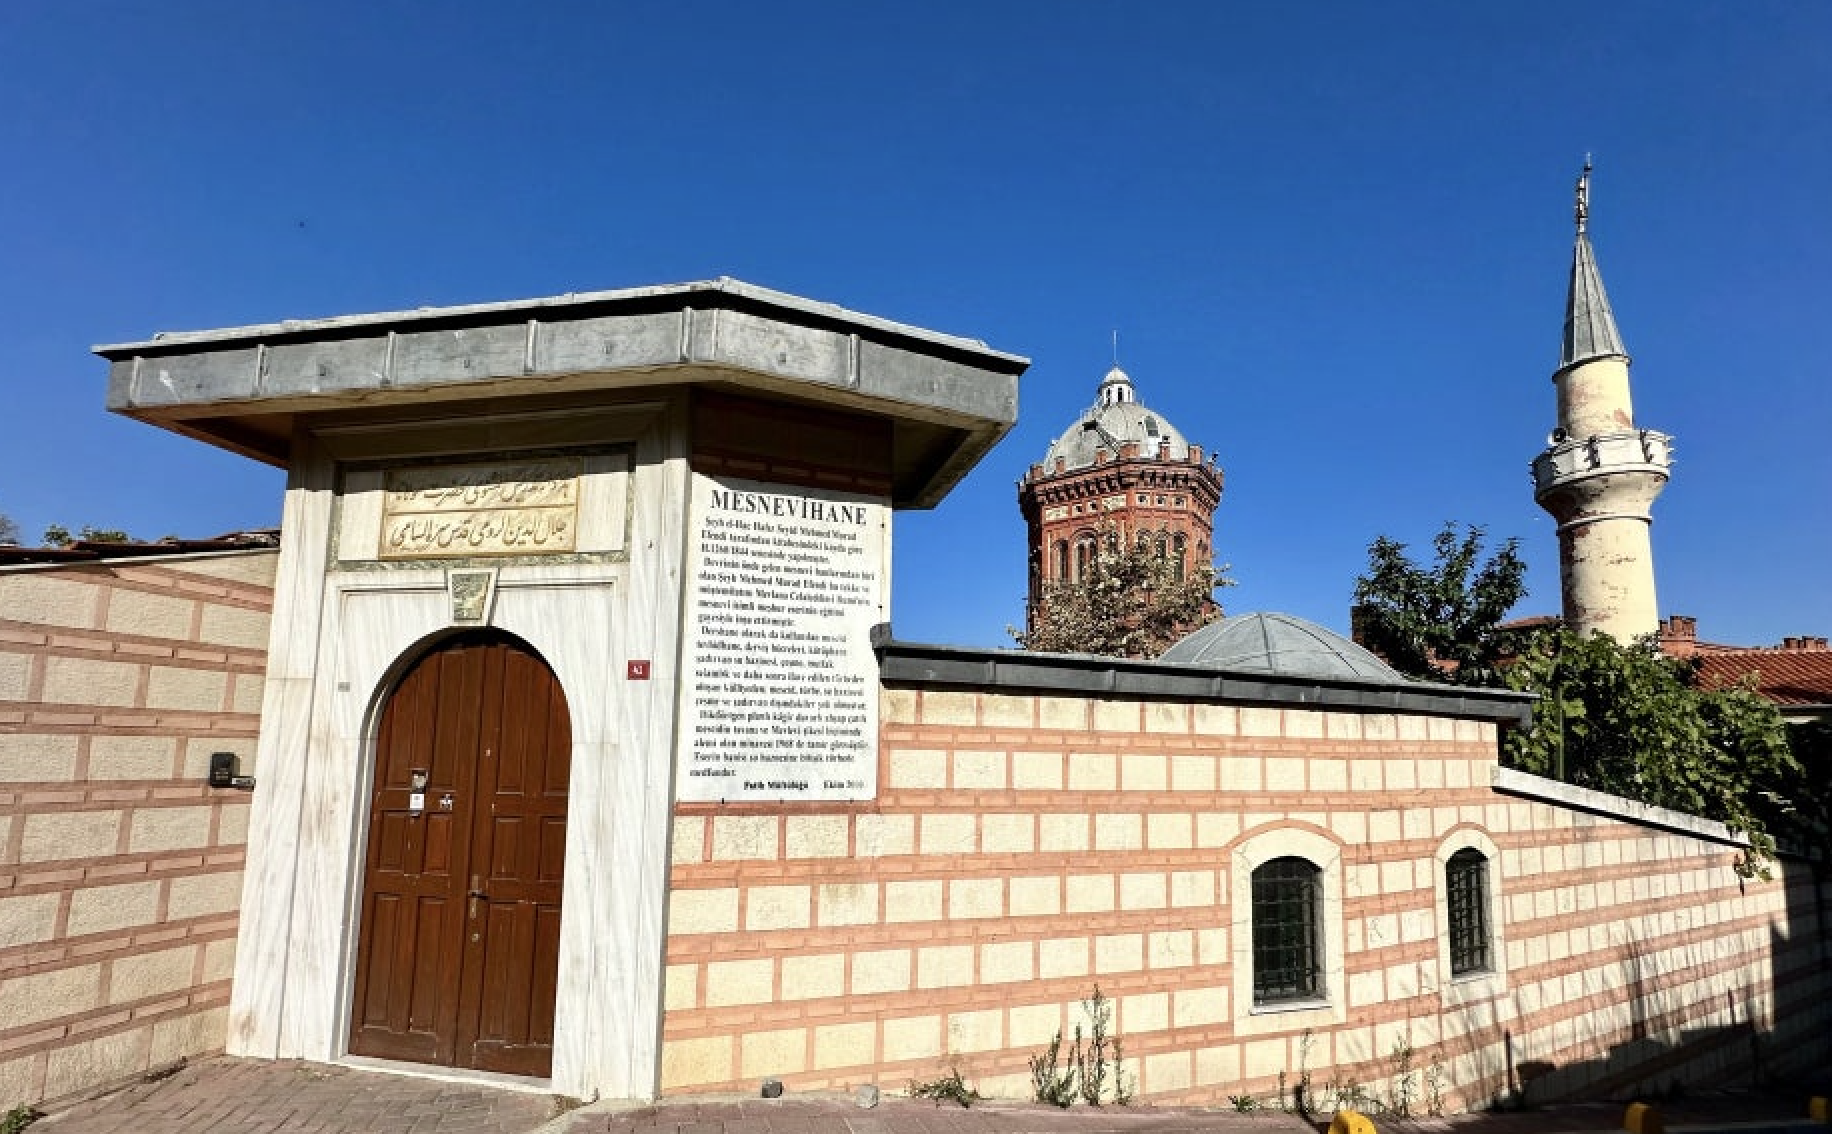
[[1179, 546], [1059, 561], [1467, 906], [1287, 931]]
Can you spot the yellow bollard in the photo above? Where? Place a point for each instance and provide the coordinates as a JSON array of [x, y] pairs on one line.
[[1642, 1118], [1818, 1109], [1350, 1122]]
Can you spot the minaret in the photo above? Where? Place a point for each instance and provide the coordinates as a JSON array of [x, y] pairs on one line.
[[1599, 474]]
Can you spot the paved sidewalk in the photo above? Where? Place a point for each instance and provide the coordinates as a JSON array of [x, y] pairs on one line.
[[917, 1116], [248, 1096]]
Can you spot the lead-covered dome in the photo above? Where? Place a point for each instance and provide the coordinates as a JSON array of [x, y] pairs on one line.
[[1117, 418], [1278, 644]]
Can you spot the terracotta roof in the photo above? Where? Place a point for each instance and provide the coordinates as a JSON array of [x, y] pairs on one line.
[[1786, 677], [85, 550]]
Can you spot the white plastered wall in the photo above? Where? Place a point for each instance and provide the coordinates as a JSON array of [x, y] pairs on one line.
[[339, 640]]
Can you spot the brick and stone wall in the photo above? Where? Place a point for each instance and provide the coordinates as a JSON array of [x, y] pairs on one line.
[[120, 870], [1024, 848]]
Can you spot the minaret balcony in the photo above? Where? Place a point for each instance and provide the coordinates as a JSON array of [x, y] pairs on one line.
[[1604, 454]]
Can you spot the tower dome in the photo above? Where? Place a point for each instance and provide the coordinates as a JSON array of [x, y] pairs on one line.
[[1115, 420]]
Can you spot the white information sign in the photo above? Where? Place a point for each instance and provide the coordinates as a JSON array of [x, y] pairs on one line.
[[779, 691]]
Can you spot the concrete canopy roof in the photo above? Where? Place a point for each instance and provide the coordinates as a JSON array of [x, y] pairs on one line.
[[949, 399]]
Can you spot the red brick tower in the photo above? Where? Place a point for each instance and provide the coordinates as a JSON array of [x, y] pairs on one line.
[[1122, 462]]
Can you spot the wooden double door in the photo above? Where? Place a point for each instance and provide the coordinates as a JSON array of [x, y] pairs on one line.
[[459, 942]]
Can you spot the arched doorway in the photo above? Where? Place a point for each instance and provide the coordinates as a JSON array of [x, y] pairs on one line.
[[458, 942]]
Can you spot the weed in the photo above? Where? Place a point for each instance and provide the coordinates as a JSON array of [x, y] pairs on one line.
[[1402, 1086], [18, 1118], [948, 1088], [1434, 1086], [1093, 1057], [1347, 1094], [1245, 1104], [1053, 1084]]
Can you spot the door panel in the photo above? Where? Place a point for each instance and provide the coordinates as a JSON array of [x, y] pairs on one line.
[[458, 949]]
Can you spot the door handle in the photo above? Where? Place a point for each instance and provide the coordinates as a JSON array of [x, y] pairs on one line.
[[476, 894]]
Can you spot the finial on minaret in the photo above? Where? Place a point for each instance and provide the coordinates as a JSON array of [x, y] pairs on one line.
[[1116, 346], [1583, 205]]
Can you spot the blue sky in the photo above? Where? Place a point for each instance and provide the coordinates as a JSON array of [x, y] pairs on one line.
[[1333, 238]]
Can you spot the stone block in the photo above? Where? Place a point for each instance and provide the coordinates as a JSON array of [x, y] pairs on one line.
[[233, 626], [200, 895], [15, 676], [1116, 716], [1306, 724], [1143, 891], [1216, 829], [18, 1082], [1400, 775], [1256, 721], [27, 920], [143, 976], [188, 1036], [219, 960], [89, 681], [1005, 962], [1284, 774], [1119, 832], [132, 757], [919, 900], [687, 842], [880, 836], [1119, 953], [696, 1062], [100, 1060], [1365, 989], [1144, 771], [814, 977], [703, 911], [1035, 896], [1062, 957], [847, 903], [681, 987], [1146, 1012], [897, 706], [1167, 1072], [232, 824], [1093, 771], [740, 982], [779, 1051], [1217, 1066], [149, 615], [1171, 948], [817, 836], [169, 828], [949, 834], [976, 1031], [1089, 893], [1329, 775], [1240, 774], [1200, 1007], [1008, 834], [979, 771], [37, 758], [976, 898], [918, 1037], [845, 1045], [1263, 1059], [1002, 710], [47, 600], [1192, 888], [1036, 771], [948, 708], [51, 836], [48, 995], [1192, 773], [1066, 714], [880, 970], [777, 907], [1217, 720], [1167, 717], [1062, 832], [1170, 831], [919, 769], [742, 837], [944, 966]]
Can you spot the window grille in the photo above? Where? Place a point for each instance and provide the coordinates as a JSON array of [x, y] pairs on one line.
[[1466, 891], [1287, 938]]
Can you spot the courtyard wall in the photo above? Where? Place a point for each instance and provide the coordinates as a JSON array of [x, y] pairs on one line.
[[1029, 844], [120, 869]]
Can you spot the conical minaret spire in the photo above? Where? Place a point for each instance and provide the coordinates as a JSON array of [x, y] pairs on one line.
[[1590, 326], [1599, 474]]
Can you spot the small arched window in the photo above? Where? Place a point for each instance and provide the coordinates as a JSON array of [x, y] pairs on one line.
[[1179, 550], [1466, 894], [1059, 561], [1084, 556], [1287, 933]]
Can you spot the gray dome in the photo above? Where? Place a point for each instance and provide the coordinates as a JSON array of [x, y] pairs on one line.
[[1277, 644], [1119, 416]]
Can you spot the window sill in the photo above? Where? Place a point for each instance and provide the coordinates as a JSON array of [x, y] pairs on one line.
[[1278, 1006]]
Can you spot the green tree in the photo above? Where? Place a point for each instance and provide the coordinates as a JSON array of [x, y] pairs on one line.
[[59, 536], [1628, 721], [1131, 602], [1442, 622], [9, 530]]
